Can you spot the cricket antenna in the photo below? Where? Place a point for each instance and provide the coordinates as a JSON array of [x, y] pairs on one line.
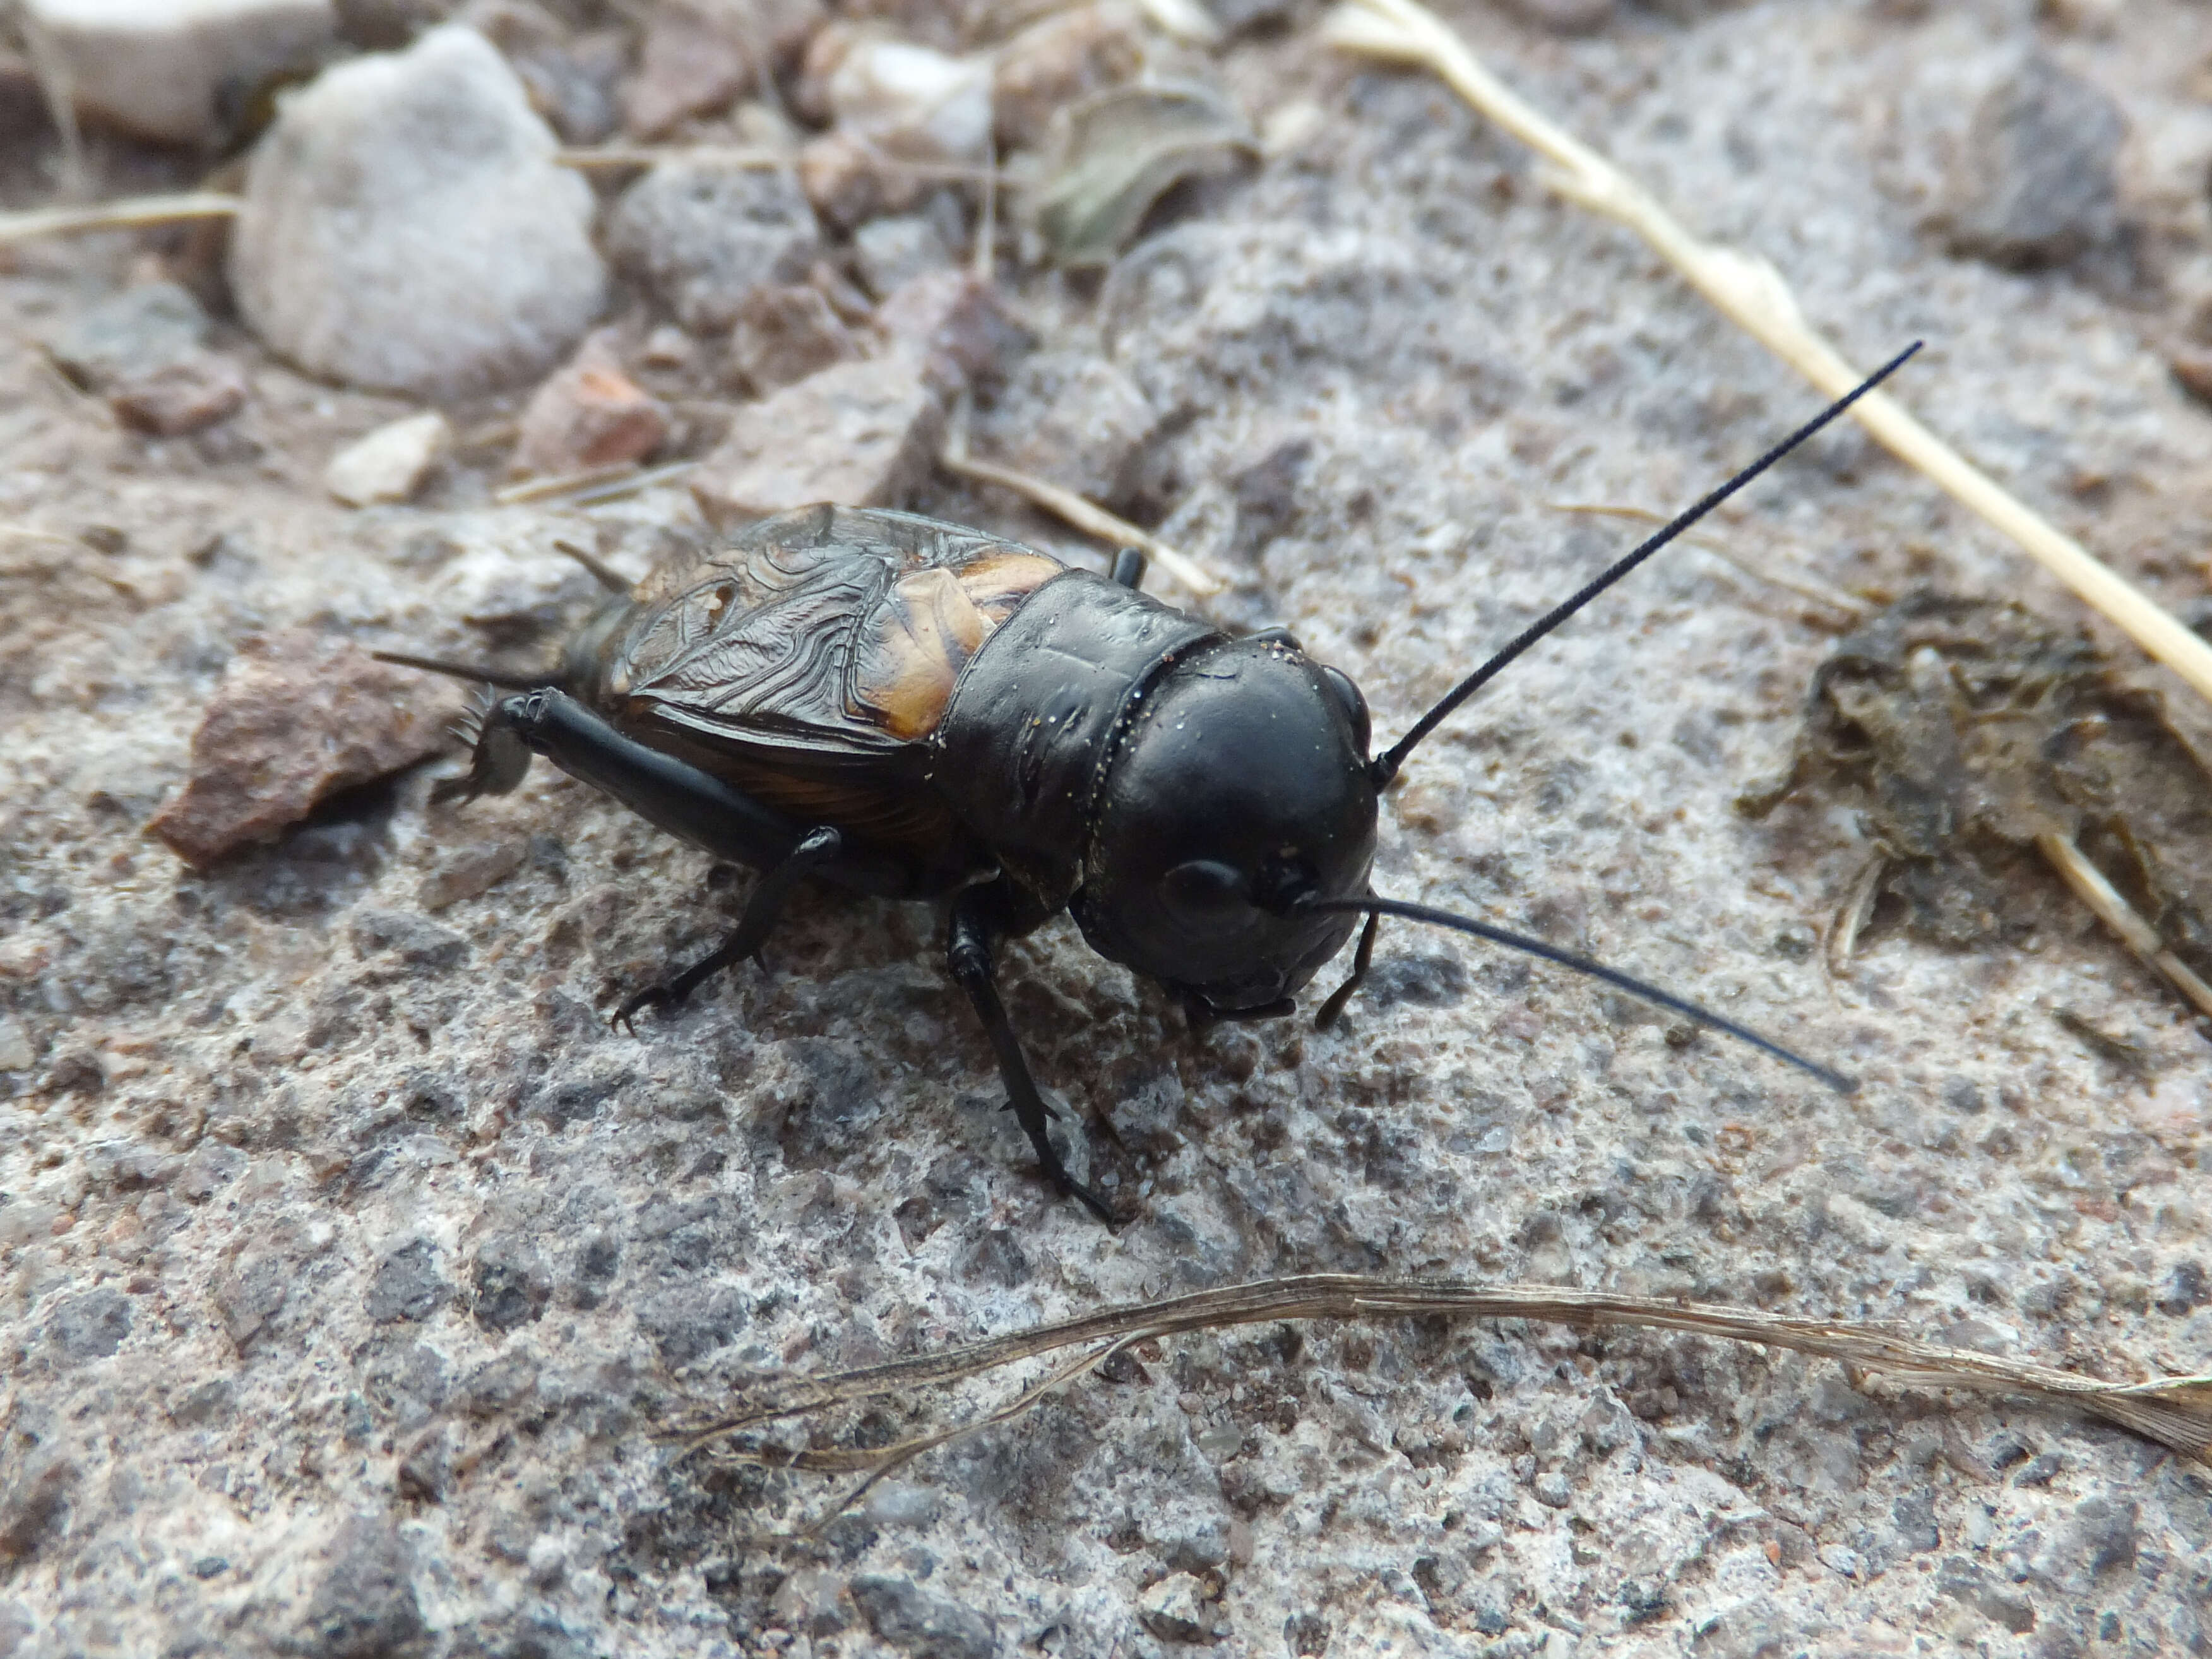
[[1385, 767], [1373, 906], [464, 670]]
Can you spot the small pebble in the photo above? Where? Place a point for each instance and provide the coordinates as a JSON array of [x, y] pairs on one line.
[[406, 227], [668, 347], [2036, 183], [893, 251], [907, 100], [181, 398], [391, 463], [174, 70], [130, 336], [954, 320], [785, 333], [841, 178], [571, 78], [922, 1624], [17, 1052], [861, 433], [302, 718], [698, 58], [589, 414], [704, 234]]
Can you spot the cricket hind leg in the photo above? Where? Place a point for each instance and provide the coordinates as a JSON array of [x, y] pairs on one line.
[[816, 848], [968, 952]]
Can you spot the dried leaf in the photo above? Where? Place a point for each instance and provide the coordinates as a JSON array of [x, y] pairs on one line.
[[1125, 149], [1973, 734]]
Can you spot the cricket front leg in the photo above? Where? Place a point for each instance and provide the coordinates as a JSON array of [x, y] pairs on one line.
[[969, 954]]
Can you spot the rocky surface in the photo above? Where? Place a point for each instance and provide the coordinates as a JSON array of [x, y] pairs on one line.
[[348, 1259]]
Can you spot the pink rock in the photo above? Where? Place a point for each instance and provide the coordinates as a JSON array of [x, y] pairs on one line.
[[843, 180], [862, 434], [298, 719], [698, 56], [953, 320], [182, 397], [785, 333], [589, 414]]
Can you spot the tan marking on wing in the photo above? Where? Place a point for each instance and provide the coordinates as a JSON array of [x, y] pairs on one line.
[[996, 583], [924, 633]]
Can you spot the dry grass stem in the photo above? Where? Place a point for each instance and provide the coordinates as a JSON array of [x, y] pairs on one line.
[[592, 485], [1084, 513], [563, 483], [1853, 914], [984, 257], [24, 533], [1790, 580], [128, 213], [1750, 291], [632, 483], [2174, 1411], [760, 157], [2091, 887]]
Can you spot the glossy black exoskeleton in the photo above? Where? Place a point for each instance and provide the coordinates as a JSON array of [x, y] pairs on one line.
[[913, 710]]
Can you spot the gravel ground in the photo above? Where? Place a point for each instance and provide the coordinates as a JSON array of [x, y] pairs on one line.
[[348, 1260]]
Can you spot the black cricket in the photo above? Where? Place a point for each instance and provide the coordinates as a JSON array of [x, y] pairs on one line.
[[912, 710]]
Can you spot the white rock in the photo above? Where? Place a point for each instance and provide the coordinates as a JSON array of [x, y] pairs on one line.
[[163, 69], [914, 102], [390, 463], [406, 227]]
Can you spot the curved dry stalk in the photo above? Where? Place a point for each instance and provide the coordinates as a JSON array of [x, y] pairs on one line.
[[2092, 888], [1751, 293], [1790, 579], [2174, 1411], [1853, 913], [1080, 511]]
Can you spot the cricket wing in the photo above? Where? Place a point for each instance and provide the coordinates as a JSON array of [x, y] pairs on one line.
[[828, 635]]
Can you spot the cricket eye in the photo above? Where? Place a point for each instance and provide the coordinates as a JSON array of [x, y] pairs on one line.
[[1355, 706], [1205, 887]]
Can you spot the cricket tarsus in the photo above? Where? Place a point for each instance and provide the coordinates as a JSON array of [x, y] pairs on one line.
[[763, 909], [1385, 766], [968, 953], [1535, 947], [1363, 959]]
